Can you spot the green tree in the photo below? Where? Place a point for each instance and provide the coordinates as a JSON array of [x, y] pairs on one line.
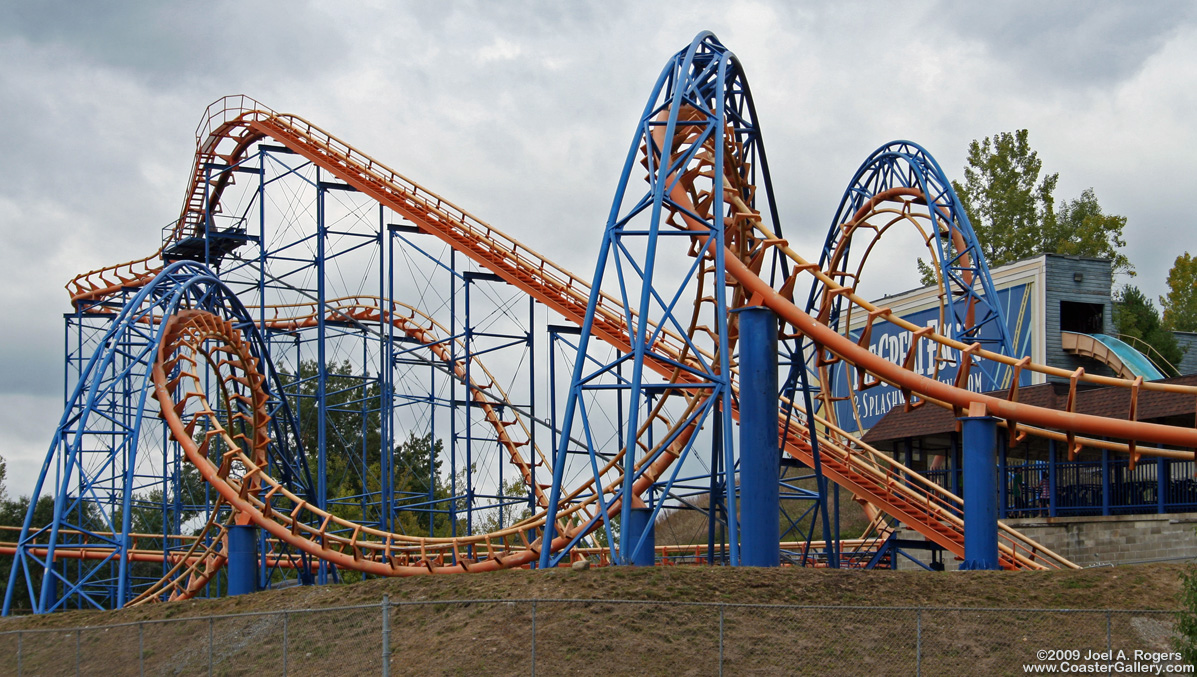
[[184, 496], [12, 514], [353, 453], [353, 433], [3, 477], [1136, 317], [1012, 210], [1081, 229], [417, 479], [506, 515], [1180, 305], [1009, 206]]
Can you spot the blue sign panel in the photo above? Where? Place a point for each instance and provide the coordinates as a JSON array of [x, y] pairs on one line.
[[892, 343]]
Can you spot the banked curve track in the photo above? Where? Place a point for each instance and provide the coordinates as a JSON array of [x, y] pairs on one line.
[[567, 293]]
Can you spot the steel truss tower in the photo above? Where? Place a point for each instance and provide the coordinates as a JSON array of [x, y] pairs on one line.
[[320, 270], [672, 385]]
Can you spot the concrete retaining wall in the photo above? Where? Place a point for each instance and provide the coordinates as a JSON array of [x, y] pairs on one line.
[[1118, 539]]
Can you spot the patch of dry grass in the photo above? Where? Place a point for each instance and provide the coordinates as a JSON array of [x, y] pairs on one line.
[[442, 637]]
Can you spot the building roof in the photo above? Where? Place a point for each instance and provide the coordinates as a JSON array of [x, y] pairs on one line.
[[1108, 401]]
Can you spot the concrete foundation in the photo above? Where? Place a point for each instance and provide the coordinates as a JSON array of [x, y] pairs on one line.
[[1117, 539]]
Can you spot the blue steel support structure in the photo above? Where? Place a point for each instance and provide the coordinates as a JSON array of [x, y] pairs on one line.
[[640, 528], [663, 254], [901, 184], [105, 466], [904, 173], [385, 385], [285, 243], [243, 559], [344, 386]]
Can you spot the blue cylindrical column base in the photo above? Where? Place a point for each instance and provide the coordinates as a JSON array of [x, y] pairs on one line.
[[979, 438], [642, 525], [243, 559], [760, 509]]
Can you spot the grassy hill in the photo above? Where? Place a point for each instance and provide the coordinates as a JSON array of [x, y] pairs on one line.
[[573, 638]]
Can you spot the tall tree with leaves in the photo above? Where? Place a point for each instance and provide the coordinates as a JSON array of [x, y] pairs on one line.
[[353, 453], [1012, 210], [1135, 317], [1009, 206], [352, 431], [1180, 305], [417, 481], [1082, 229], [12, 514]]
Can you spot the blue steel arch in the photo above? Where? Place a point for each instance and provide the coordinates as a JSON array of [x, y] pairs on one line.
[[976, 314], [904, 164], [95, 464], [700, 109]]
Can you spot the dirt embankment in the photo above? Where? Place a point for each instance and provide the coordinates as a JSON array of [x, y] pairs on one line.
[[574, 638], [1155, 586]]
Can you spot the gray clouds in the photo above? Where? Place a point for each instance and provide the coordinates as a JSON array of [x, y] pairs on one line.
[[177, 45], [1069, 44], [522, 112]]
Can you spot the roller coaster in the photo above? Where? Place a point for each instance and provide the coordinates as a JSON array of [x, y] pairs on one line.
[[311, 312]]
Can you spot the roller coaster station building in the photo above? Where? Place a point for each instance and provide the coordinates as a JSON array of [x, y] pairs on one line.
[[1095, 506]]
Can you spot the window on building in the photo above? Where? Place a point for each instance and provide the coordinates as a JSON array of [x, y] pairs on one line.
[[1084, 318]]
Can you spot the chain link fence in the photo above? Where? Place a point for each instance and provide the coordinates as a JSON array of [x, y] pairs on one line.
[[586, 637]]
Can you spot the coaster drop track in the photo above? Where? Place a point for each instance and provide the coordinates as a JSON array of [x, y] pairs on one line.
[[703, 239]]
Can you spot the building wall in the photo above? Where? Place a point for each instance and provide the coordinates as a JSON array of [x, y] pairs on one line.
[[1120, 539], [1117, 539], [1187, 341], [1055, 275], [1060, 284]]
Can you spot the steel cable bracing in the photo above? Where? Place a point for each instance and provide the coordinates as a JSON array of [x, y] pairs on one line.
[[692, 248]]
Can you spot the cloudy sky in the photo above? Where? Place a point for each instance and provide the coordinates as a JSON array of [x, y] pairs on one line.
[[521, 112]]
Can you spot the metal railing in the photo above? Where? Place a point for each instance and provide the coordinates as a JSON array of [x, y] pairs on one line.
[[1091, 487], [564, 636]]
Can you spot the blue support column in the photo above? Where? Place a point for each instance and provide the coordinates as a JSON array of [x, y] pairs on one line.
[[716, 488], [263, 569], [641, 536], [50, 586], [760, 528], [1003, 478], [321, 371], [955, 451], [979, 438], [243, 559]]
